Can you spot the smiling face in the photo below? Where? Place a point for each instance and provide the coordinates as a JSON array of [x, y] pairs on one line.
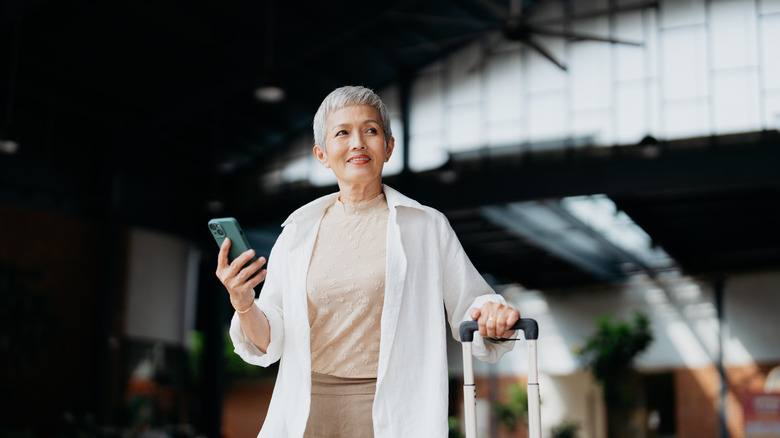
[[355, 146]]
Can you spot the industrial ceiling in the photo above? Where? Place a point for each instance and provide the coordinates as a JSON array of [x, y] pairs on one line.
[[144, 112]]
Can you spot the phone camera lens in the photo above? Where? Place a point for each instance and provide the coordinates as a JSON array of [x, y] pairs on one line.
[[220, 232], [213, 226]]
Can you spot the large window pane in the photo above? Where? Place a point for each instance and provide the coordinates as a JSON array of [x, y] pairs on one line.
[[684, 59], [735, 101]]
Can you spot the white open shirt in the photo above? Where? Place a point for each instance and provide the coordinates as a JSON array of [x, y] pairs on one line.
[[427, 271]]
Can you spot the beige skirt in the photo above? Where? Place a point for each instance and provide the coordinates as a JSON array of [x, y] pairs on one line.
[[340, 407]]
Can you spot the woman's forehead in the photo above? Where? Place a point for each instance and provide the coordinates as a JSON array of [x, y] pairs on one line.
[[352, 114]]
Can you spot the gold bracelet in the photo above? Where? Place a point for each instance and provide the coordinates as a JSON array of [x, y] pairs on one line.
[[243, 311]]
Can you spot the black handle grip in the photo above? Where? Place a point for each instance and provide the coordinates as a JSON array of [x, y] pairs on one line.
[[527, 325]]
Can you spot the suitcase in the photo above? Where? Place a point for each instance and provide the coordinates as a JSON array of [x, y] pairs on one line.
[[531, 330]]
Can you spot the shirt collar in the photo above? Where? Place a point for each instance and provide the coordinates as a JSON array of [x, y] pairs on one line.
[[315, 209]]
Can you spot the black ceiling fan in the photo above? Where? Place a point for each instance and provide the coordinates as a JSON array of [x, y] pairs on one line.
[[516, 25]]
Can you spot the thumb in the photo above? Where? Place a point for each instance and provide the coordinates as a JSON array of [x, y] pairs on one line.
[[474, 312]]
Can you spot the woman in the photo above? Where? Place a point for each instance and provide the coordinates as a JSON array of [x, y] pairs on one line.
[[355, 295]]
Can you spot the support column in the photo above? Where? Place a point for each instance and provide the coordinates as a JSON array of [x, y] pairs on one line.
[[718, 288]]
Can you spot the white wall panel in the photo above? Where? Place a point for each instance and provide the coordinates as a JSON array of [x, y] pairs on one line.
[[396, 163], [463, 78], [319, 175], [427, 113], [464, 128], [770, 51], [628, 25], [732, 34], [684, 59], [506, 133], [735, 101], [427, 151], [675, 13], [652, 42], [772, 110], [685, 118], [630, 61], [631, 113], [543, 75], [594, 124], [504, 87], [392, 99], [300, 163], [655, 115], [547, 116], [769, 6], [590, 76]]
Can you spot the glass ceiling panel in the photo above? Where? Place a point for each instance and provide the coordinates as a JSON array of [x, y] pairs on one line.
[[586, 231]]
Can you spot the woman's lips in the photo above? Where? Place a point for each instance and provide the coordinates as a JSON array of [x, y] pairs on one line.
[[359, 159]]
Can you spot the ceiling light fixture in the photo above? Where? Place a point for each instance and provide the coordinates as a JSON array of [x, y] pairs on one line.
[[9, 147], [271, 89], [269, 94]]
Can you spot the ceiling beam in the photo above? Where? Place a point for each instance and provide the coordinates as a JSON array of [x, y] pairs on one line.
[[515, 223], [606, 246], [745, 160]]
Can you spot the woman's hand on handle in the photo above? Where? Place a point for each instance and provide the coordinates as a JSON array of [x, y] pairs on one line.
[[495, 320], [238, 279]]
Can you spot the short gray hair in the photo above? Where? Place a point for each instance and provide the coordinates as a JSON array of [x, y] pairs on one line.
[[346, 96]]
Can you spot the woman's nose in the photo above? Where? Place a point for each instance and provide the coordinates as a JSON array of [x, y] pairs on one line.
[[357, 142]]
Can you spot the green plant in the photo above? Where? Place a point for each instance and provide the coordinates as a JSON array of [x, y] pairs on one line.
[[453, 424], [235, 367], [609, 354], [515, 410], [565, 429]]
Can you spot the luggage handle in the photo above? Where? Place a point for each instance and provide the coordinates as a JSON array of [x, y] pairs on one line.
[[531, 330], [527, 325]]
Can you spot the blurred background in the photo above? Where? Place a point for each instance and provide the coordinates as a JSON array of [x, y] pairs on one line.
[[610, 166]]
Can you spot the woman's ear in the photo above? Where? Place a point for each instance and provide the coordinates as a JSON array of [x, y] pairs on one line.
[[321, 156], [389, 148]]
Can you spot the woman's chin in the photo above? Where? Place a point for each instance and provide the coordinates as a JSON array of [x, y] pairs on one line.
[[360, 177]]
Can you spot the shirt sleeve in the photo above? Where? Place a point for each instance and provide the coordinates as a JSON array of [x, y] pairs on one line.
[[464, 288], [270, 303]]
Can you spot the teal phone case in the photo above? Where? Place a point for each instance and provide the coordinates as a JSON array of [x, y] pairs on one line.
[[228, 227]]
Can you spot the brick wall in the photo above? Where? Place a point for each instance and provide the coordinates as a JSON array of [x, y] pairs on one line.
[[697, 393]]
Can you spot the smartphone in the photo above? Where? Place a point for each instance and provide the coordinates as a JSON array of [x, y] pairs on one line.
[[228, 227]]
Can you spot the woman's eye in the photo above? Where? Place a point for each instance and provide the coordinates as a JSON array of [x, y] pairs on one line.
[[371, 130], [342, 132]]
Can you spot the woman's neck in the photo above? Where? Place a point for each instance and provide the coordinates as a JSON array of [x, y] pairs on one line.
[[357, 194]]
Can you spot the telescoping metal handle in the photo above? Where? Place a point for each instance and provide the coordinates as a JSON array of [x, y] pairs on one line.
[[531, 330]]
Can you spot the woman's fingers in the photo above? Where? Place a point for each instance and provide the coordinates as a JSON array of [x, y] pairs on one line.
[[496, 320], [240, 277], [244, 268], [222, 257]]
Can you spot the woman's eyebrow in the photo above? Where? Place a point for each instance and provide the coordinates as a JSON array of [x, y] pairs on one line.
[[344, 125]]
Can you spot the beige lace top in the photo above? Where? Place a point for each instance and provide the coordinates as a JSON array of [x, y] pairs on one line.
[[346, 289]]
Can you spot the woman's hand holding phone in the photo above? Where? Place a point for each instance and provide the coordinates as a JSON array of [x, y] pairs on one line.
[[238, 277]]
